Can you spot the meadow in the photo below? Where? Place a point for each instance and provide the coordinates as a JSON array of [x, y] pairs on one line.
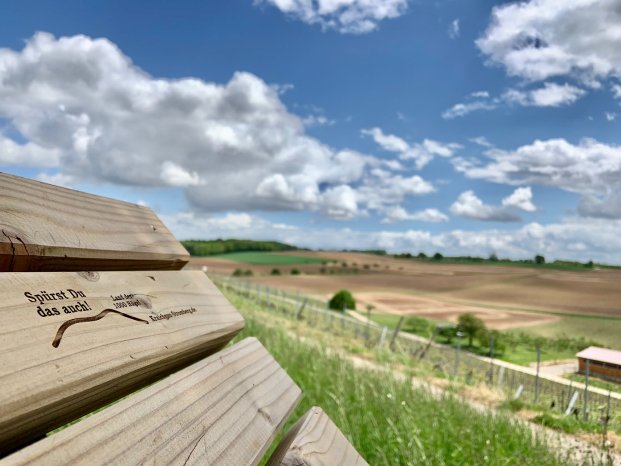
[[386, 419]]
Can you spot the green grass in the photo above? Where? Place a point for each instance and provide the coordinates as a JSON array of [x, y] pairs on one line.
[[515, 353], [268, 258], [604, 330], [595, 382], [387, 421]]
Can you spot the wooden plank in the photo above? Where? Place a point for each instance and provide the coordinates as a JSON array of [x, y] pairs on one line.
[[48, 228], [315, 441], [223, 410], [74, 341]]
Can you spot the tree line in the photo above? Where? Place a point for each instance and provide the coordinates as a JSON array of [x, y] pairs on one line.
[[224, 246]]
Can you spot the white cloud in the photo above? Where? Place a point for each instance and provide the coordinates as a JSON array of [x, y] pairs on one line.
[[587, 167], [550, 95], [462, 109], [453, 30], [83, 108], [572, 238], [520, 198], [317, 120], [616, 91], [610, 116], [422, 153], [29, 154], [590, 168], [59, 179], [540, 39], [174, 175], [345, 16], [468, 205], [482, 141], [399, 214], [480, 94]]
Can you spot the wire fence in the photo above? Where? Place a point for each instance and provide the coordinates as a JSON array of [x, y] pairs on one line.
[[516, 382]]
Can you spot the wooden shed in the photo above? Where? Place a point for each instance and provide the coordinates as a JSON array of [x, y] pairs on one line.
[[603, 363]]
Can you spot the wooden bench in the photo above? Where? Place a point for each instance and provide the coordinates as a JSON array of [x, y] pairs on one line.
[[96, 310]]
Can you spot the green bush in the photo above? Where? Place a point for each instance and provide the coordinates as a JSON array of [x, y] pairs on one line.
[[295, 272], [417, 325], [275, 272], [342, 300]]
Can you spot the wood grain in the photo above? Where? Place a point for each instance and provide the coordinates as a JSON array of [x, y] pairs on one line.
[[48, 228], [315, 441], [223, 410], [55, 368]]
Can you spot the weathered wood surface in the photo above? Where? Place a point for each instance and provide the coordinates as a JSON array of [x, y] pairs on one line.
[[315, 441], [48, 228], [71, 342], [223, 410]]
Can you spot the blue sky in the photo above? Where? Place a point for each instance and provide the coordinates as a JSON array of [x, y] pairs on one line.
[[460, 127]]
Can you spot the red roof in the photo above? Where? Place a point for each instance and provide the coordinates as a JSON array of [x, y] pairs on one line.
[[593, 353]]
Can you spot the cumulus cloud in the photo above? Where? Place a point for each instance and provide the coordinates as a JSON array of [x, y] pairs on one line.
[[587, 167], [399, 214], [522, 198], [468, 205], [540, 39], [421, 153], [548, 95], [345, 16], [85, 110], [590, 168]]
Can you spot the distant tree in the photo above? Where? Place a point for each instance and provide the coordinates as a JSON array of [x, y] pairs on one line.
[[446, 331], [342, 300], [589, 264], [248, 273], [539, 259], [422, 255], [238, 273], [470, 325], [493, 257], [485, 336], [438, 257], [295, 272], [275, 272]]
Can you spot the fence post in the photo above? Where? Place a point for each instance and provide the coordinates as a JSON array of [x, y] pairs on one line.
[[537, 374], [491, 360], [585, 409], [457, 351], [393, 339], [298, 314], [383, 337]]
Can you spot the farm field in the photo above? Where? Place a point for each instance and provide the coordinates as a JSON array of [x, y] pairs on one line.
[[541, 302], [269, 258]]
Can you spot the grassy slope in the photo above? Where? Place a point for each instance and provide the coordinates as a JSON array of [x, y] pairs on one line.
[[386, 420], [266, 258]]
